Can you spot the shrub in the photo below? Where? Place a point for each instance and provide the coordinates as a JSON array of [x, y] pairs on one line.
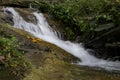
[[14, 59], [76, 14]]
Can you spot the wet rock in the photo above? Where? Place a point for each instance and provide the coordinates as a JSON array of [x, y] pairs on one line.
[[104, 27], [115, 44], [47, 49], [27, 15], [57, 25], [5, 17], [17, 3], [106, 42], [78, 39]]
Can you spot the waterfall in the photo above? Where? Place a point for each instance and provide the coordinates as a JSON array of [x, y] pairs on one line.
[[44, 31]]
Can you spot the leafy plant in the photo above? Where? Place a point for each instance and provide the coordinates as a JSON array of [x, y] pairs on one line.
[[14, 59], [74, 13], [69, 33]]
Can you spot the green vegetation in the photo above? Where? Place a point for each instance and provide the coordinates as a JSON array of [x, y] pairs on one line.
[[82, 15], [11, 58], [81, 18]]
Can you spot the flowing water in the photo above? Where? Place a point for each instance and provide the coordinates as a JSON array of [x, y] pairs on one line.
[[43, 31]]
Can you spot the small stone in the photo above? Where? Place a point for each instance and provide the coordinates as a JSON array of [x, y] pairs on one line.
[[47, 49], [2, 57]]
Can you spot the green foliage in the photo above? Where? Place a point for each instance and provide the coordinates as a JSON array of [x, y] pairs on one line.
[[14, 59], [43, 6], [8, 45], [74, 10], [69, 33], [102, 11], [85, 15], [62, 12]]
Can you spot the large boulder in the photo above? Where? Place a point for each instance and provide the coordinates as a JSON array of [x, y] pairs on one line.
[[106, 41]]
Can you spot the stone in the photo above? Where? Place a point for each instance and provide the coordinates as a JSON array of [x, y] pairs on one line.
[[2, 58], [104, 27]]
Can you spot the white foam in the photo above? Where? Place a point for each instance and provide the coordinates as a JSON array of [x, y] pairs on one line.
[[44, 31]]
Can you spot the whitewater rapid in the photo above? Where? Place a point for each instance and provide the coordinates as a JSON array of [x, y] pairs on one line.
[[43, 31]]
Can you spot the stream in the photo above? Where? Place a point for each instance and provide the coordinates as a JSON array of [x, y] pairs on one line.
[[43, 31]]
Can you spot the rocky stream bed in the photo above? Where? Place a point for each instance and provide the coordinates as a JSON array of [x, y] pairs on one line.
[[48, 61]]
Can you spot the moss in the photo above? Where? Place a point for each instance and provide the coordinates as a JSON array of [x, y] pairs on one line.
[[50, 67], [5, 74], [38, 52], [53, 64], [14, 59], [82, 16]]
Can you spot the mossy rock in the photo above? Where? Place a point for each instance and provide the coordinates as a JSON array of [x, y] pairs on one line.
[[17, 3]]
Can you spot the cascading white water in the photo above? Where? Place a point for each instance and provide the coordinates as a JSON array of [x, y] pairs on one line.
[[44, 31]]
